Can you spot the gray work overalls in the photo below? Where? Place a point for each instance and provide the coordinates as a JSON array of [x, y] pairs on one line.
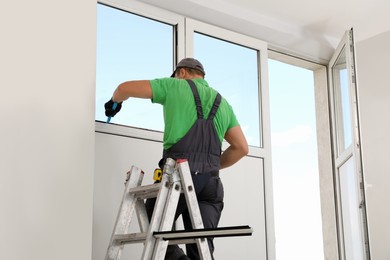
[[202, 148]]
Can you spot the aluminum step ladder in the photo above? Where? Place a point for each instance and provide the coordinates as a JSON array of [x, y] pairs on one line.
[[157, 234]]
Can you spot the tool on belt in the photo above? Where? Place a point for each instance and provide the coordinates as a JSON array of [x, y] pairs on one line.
[[157, 176]]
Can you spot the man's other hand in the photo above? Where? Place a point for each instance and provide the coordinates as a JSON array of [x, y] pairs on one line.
[[112, 108]]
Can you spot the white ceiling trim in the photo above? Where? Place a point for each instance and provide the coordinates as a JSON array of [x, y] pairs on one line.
[[304, 28]]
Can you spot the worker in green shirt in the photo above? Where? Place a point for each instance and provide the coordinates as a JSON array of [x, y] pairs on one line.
[[197, 119]]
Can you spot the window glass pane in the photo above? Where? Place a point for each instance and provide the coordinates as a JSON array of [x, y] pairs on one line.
[[353, 240], [131, 47], [297, 207], [232, 70], [342, 109]]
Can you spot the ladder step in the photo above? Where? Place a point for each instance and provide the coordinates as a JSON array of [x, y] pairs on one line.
[[204, 233], [130, 238], [146, 191]]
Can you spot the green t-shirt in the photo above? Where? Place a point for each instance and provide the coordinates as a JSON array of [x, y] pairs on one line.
[[180, 111]]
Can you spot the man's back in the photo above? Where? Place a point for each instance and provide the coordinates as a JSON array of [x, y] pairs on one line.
[[180, 109]]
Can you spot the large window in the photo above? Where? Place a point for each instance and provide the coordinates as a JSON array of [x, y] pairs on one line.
[[236, 66], [131, 47], [298, 225], [233, 70]]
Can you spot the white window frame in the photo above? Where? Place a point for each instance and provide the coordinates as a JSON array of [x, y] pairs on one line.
[[264, 151], [160, 15], [354, 150]]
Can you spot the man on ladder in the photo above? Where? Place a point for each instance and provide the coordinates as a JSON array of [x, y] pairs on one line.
[[197, 119]]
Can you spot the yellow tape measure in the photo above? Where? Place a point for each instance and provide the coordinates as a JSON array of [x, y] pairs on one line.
[[157, 174]]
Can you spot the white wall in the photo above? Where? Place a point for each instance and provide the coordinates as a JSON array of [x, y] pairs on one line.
[[373, 58], [47, 62]]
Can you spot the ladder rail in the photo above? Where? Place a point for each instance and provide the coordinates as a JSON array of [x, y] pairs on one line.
[[127, 206], [193, 207], [156, 220], [167, 220], [159, 208]]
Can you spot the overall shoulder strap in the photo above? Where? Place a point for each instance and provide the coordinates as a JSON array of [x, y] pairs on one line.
[[198, 103], [215, 106]]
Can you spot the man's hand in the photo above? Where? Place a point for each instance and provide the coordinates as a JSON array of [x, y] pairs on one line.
[[112, 108]]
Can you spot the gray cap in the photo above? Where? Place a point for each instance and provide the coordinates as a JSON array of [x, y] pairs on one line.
[[189, 63]]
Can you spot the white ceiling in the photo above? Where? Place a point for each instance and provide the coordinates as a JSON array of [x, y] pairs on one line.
[[309, 28]]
